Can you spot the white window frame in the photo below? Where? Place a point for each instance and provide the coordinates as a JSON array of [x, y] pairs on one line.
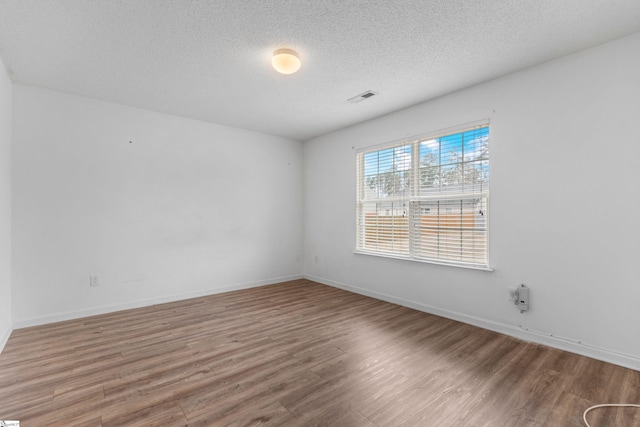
[[412, 200]]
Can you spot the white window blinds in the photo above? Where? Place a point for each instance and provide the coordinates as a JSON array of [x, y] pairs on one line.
[[426, 199]]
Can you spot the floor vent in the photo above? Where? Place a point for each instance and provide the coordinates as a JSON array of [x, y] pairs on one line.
[[363, 96]]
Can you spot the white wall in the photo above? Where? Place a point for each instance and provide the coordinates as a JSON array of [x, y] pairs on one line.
[[565, 170], [5, 207], [187, 208]]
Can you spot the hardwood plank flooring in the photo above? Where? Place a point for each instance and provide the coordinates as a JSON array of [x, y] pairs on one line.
[[298, 354]]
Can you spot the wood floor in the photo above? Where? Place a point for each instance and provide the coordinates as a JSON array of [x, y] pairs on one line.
[[297, 354]]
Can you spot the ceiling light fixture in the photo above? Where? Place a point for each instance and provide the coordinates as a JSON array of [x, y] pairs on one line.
[[286, 61]]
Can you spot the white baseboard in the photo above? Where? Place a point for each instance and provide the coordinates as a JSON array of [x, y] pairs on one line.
[[77, 314], [4, 337], [593, 352]]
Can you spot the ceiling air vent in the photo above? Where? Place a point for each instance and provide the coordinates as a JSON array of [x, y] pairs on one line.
[[363, 96]]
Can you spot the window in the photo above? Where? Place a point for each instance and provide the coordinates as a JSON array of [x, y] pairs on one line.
[[426, 199]]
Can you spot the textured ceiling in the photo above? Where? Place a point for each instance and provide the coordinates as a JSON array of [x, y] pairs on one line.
[[210, 60]]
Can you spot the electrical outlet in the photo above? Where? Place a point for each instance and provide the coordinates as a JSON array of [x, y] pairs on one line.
[[523, 298], [520, 297], [94, 281]]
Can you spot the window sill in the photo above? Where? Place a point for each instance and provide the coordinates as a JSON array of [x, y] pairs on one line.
[[426, 261]]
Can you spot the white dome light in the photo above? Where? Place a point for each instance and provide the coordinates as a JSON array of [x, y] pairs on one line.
[[286, 61]]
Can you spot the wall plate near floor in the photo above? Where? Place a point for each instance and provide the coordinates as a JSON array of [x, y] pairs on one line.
[[522, 298]]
